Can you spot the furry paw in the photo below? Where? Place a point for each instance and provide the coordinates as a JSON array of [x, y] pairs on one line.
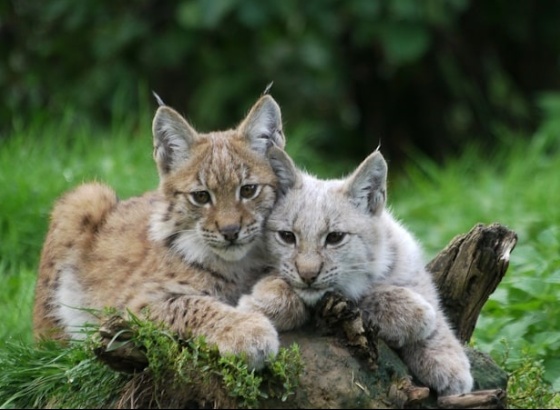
[[402, 315], [248, 334], [459, 383], [276, 299], [450, 375], [334, 308], [440, 363]]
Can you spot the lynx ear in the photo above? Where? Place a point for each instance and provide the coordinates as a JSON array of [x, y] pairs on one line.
[[284, 168], [263, 125], [367, 186], [173, 137]]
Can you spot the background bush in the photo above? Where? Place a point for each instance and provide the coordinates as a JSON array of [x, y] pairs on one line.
[[426, 74]]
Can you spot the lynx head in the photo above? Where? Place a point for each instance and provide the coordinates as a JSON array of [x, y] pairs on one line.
[[327, 234], [218, 187]]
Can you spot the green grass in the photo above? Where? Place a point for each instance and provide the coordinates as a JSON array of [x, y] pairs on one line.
[[517, 185], [52, 375], [48, 375], [39, 162]]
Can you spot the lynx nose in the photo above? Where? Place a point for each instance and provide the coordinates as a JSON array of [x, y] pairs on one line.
[[230, 232], [309, 270]]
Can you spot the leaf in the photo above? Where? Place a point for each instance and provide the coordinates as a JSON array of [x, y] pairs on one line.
[[204, 14], [500, 297], [404, 42], [549, 339], [188, 14], [517, 328], [214, 11], [533, 286], [552, 373]]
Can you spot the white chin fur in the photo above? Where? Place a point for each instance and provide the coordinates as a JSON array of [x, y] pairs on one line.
[[310, 296], [196, 249], [233, 253]]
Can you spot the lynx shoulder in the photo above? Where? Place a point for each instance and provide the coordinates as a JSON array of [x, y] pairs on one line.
[[338, 235], [183, 253]]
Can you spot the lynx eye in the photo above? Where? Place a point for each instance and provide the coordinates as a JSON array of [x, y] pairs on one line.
[[287, 237], [200, 197], [334, 238], [248, 191]]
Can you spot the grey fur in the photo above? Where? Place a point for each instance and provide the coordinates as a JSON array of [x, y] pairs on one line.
[[377, 263]]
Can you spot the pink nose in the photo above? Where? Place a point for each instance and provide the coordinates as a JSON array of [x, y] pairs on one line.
[[309, 271]]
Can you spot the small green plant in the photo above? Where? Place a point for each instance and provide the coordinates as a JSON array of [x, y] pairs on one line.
[[527, 387], [287, 375]]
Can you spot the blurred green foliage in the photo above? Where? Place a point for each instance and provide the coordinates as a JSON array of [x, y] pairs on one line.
[[352, 74]]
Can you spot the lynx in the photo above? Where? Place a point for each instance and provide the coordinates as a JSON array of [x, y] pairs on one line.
[[182, 254], [338, 235]]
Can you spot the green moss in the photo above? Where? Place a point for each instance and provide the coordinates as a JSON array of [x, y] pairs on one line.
[[179, 372]]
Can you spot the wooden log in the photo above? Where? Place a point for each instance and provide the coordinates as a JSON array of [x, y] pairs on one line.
[[481, 399], [468, 270], [346, 366]]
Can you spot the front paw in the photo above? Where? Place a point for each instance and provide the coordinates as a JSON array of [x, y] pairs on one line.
[[402, 315], [250, 335], [458, 383], [333, 308], [452, 376], [441, 364], [277, 300]]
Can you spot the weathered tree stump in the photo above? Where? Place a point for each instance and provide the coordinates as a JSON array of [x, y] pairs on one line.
[[347, 366], [468, 270]]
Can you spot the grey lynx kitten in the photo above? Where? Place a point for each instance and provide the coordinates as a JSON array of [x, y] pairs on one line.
[[337, 235], [183, 253]]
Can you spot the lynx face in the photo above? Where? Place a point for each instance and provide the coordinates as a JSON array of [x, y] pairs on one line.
[[324, 239], [217, 204], [218, 188]]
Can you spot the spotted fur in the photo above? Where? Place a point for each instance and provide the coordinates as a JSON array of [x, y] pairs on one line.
[[183, 253]]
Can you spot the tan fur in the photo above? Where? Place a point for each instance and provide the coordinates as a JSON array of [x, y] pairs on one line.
[[163, 253]]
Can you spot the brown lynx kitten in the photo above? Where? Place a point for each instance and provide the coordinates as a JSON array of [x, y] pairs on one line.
[[337, 235], [185, 252]]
